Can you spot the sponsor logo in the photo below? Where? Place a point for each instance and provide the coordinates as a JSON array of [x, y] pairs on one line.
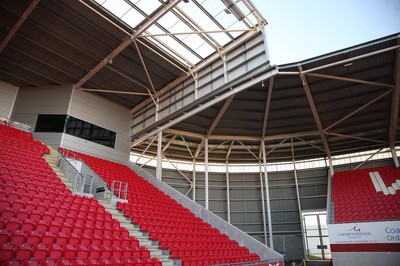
[[355, 229]]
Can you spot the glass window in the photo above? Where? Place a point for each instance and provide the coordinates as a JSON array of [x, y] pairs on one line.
[[50, 123], [91, 132]]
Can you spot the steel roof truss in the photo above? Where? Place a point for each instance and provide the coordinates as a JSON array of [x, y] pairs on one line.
[[267, 106], [275, 146], [315, 112], [127, 42], [247, 148], [379, 84], [359, 109], [356, 137], [187, 146], [145, 150], [309, 143], [219, 116], [146, 71]]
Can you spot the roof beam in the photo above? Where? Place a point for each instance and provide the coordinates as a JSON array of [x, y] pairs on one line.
[[115, 91], [356, 137], [19, 23], [359, 109], [394, 114], [350, 60], [315, 112], [126, 42], [366, 82], [267, 106], [219, 116]]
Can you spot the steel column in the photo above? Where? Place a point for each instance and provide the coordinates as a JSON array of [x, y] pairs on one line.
[[263, 205], [271, 242], [206, 172], [194, 180], [159, 156], [298, 199], [228, 200]]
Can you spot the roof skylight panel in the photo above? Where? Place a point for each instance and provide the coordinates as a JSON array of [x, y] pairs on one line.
[[172, 44], [117, 7], [133, 18], [169, 20], [148, 6]]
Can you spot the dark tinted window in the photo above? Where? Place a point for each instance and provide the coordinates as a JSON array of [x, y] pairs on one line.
[[50, 123], [91, 132]]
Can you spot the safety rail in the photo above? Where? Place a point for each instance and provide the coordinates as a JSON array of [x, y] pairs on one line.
[[70, 154], [81, 183], [271, 262], [118, 189], [15, 124]]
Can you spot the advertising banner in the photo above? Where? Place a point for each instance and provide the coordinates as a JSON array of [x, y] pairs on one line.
[[367, 237]]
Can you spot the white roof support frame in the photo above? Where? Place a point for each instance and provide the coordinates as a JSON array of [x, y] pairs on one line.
[[208, 104], [130, 39]]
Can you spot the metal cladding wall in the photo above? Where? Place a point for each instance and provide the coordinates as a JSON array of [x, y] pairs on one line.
[[63, 100], [245, 200], [214, 78], [32, 101], [8, 93], [103, 113]]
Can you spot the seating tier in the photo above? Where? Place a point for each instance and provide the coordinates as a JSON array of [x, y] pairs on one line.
[[186, 236], [43, 223], [356, 199]]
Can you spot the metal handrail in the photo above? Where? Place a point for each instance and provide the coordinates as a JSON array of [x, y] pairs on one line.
[[118, 188]]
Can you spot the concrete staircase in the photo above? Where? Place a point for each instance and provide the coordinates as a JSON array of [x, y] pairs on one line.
[[152, 246]]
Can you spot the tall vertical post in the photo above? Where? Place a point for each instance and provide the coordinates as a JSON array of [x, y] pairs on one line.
[[228, 197], [206, 171], [263, 205], [298, 198], [194, 180], [159, 156], [394, 156], [271, 242]]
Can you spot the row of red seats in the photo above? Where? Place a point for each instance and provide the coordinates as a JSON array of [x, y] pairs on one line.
[[351, 190], [173, 226], [41, 222]]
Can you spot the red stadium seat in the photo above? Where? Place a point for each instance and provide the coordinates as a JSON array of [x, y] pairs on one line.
[[6, 252], [23, 252], [40, 252], [55, 252]]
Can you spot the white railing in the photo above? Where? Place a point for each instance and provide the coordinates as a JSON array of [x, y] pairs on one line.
[[119, 189]]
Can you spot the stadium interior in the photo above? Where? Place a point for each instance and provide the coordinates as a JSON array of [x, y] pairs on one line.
[[158, 132]]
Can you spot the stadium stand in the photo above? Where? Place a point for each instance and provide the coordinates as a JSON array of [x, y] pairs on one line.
[[187, 237], [378, 187], [42, 222]]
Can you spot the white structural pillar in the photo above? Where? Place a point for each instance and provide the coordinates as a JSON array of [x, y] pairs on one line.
[[194, 180], [271, 241], [159, 156], [206, 172], [228, 197], [394, 155], [263, 205], [298, 200]]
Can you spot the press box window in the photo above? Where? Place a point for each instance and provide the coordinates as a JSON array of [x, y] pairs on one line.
[[91, 132], [50, 123]]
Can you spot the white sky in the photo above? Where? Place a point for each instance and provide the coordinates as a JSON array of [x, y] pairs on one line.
[[302, 29]]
